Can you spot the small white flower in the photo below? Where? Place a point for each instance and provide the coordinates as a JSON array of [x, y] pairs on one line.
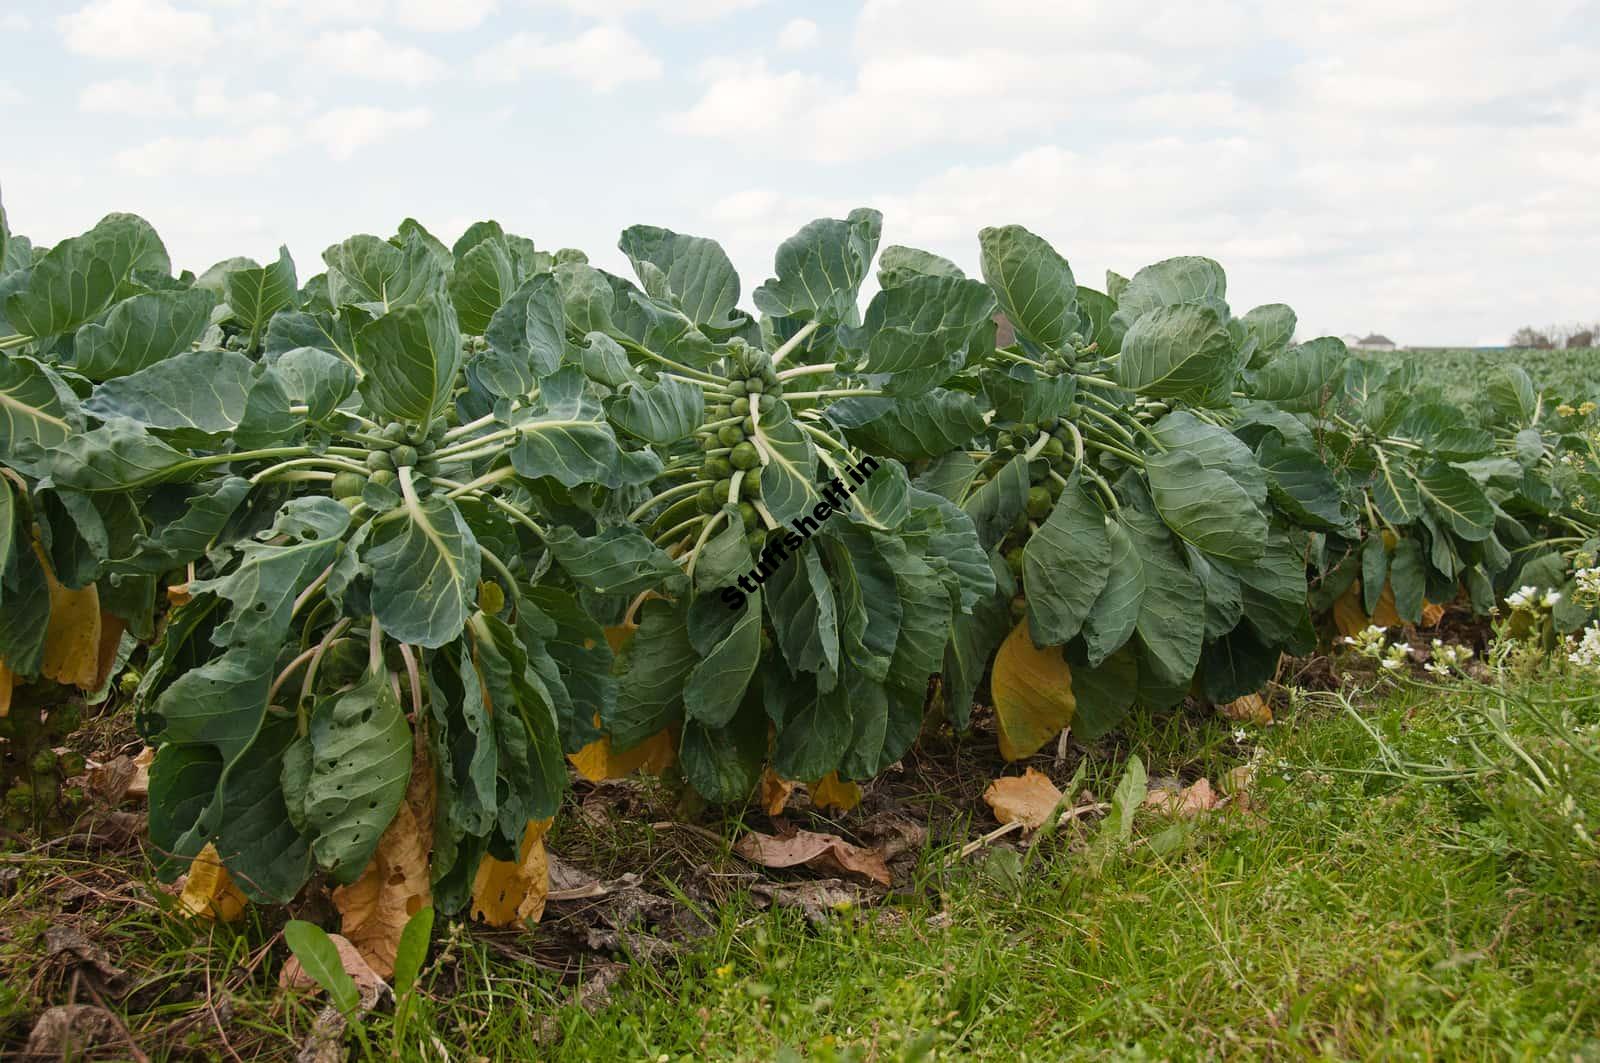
[[1389, 663], [1240, 734], [1550, 599]]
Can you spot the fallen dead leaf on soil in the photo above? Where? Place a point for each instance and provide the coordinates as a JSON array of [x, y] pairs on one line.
[[368, 982], [1432, 613], [1252, 708], [819, 851], [818, 901], [122, 778], [830, 792], [208, 891], [1032, 693], [1186, 803], [504, 892], [71, 949], [891, 833], [1028, 798], [568, 883], [775, 792], [62, 1032]]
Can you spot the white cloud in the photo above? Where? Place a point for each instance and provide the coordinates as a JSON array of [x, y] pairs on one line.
[[136, 29], [121, 96], [209, 156], [15, 22], [750, 100], [212, 100], [346, 130], [443, 16], [670, 10], [603, 58], [367, 53], [797, 35], [10, 94]]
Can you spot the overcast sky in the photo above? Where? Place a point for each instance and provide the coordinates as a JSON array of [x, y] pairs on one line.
[[1429, 169]]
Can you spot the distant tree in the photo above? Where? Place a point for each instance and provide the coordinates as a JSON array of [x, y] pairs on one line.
[[1530, 337], [1580, 338]]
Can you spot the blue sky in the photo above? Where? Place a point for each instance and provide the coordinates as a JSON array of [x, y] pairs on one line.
[[1424, 168]]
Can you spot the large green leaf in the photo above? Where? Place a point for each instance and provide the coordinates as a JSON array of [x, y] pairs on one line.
[[120, 455], [1065, 566], [360, 763], [660, 412], [800, 606], [1178, 352], [36, 407], [483, 280], [699, 277], [1456, 499], [1272, 325], [1300, 378], [655, 665], [205, 392], [1302, 486], [379, 274], [1102, 693], [918, 332], [531, 762], [314, 378], [619, 560], [565, 435], [814, 730], [820, 269], [255, 294], [410, 357], [140, 332], [81, 276], [788, 480], [1169, 626], [724, 763], [1206, 507], [526, 338], [425, 568], [910, 428], [897, 264], [1215, 449], [1032, 282], [1186, 279]]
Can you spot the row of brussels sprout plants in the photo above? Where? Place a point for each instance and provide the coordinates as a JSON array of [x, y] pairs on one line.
[[482, 507]]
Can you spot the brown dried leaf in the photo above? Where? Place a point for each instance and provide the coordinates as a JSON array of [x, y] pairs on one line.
[[1432, 613], [1191, 801], [208, 891], [818, 901], [394, 887], [1032, 693], [503, 892], [63, 1032], [775, 792], [1252, 708], [178, 594], [830, 792], [71, 948], [368, 982], [1028, 798], [818, 851], [8, 683]]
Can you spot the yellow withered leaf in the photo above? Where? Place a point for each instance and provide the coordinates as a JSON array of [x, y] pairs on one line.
[[209, 891], [8, 682], [393, 888], [1032, 692], [1351, 618], [503, 892], [1028, 798], [596, 762], [775, 791], [111, 629], [72, 639], [618, 636], [1432, 613], [830, 792], [1252, 708]]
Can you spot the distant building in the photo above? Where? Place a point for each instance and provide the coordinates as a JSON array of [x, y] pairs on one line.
[[1374, 342]]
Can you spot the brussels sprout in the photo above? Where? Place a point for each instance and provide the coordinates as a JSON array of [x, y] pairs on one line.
[[428, 466], [1014, 561], [1039, 503], [1054, 449], [755, 385], [720, 489], [748, 425], [730, 436], [747, 513], [380, 461], [745, 456], [348, 503], [1020, 525], [1003, 441], [716, 469], [43, 761], [436, 432], [756, 540], [404, 456], [72, 763], [750, 486], [348, 485], [382, 477], [740, 406], [737, 387], [707, 500], [1054, 486], [63, 719], [395, 432]]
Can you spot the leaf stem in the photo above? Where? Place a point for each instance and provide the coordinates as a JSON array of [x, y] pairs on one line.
[[670, 493], [807, 370], [800, 336]]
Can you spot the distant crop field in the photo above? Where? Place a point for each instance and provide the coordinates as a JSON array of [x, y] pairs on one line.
[[1458, 373]]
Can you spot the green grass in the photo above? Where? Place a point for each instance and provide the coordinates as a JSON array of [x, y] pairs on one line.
[[1349, 915]]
